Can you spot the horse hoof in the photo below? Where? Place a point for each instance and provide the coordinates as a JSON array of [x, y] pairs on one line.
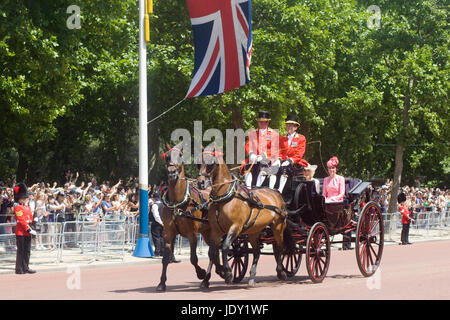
[[204, 285], [161, 287], [221, 273], [252, 282], [228, 278], [282, 276], [201, 274]]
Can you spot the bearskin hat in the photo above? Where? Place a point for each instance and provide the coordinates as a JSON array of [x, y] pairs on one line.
[[401, 197], [20, 192]]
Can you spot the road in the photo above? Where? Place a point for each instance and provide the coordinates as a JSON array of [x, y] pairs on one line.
[[418, 271]]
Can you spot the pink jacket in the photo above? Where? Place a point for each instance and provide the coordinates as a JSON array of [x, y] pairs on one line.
[[334, 189]]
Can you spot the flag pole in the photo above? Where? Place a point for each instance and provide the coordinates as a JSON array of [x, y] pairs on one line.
[[143, 247]]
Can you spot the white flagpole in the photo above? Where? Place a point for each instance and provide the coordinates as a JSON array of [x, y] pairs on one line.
[[143, 247]]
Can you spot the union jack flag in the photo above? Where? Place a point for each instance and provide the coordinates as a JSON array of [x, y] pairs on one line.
[[223, 45]]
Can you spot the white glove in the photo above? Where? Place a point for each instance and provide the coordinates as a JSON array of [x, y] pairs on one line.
[[252, 157], [33, 232], [285, 163], [276, 163], [259, 158]]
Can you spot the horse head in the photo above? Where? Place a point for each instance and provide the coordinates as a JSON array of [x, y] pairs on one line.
[[210, 159], [174, 162]]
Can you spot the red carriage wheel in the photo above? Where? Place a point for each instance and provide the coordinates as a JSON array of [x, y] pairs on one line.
[[369, 239], [291, 260], [238, 256], [318, 249]]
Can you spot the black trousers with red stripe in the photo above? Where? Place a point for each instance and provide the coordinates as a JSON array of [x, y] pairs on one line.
[[23, 253], [405, 233]]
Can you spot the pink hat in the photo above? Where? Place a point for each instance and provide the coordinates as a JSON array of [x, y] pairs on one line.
[[333, 162]]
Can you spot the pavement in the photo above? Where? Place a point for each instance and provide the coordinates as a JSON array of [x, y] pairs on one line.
[[116, 257]]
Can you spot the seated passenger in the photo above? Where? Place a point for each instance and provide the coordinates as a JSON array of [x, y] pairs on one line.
[[334, 184], [309, 176]]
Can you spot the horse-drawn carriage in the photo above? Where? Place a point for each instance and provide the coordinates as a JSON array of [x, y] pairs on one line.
[[312, 222], [296, 222]]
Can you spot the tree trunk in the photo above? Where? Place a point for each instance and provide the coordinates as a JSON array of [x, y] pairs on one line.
[[21, 167], [399, 149], [236, 116], [153, 152], [238, 123], [397, 177]]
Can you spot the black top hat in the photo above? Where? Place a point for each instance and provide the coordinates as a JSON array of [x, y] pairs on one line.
[[20, 192], [263, 116], [292, 118], [401, 197]]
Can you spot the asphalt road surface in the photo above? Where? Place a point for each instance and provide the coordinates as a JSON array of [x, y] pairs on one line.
[[418, 271]]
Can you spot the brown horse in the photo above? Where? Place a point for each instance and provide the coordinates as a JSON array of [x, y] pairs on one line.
[[182, 214], [234, 211]]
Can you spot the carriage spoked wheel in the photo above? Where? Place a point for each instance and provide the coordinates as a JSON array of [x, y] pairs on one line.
[[318, 249], [369, 239], [291, 260], [238, 259]]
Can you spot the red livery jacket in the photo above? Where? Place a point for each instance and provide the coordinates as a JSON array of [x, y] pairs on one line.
[[23, 218], [295, 151], [405, 214], [259, 144]]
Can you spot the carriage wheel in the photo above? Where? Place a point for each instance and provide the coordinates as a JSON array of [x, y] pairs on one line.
[[318, 249], [369, 239], [291, 260], [238, 256]]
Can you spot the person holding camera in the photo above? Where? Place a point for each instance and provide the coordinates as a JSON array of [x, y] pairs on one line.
[[24, 218]]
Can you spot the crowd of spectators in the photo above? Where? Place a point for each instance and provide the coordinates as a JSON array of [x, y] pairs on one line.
[[92, 201], [70, 201], [418, 199]]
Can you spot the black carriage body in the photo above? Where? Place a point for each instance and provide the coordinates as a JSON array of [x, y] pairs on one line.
[[307, 207]]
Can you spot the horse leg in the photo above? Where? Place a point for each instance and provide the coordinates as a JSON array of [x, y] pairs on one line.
[[231, 236], [212, 252], [167, 256], [253, 239], [278, 231], [219, 269], [194, 259]]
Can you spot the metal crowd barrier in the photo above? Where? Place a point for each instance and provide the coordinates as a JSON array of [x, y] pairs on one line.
[[112, 236], [85, 238], [427, 224]]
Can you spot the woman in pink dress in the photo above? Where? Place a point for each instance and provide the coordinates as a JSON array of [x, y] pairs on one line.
[[334, 185]]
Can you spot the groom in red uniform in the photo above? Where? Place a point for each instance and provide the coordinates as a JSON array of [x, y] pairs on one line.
[[262, 150], [292, 149], [24, 218]]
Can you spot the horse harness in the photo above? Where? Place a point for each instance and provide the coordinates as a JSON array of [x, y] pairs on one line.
[[178, 208], [253, 201]]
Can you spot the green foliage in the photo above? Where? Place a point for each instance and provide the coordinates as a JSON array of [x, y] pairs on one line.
[[69, 98]]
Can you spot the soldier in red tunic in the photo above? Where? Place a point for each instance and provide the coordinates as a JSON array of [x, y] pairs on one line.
[[24, 218], [292, 149], [406, 219], [262, 149]]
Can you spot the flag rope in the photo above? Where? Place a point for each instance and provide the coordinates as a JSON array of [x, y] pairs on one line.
[[166, 111]]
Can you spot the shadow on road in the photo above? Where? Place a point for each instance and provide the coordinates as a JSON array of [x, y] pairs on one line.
[[216, 286]]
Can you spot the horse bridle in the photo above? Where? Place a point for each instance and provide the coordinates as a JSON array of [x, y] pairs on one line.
[[176, 206]]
